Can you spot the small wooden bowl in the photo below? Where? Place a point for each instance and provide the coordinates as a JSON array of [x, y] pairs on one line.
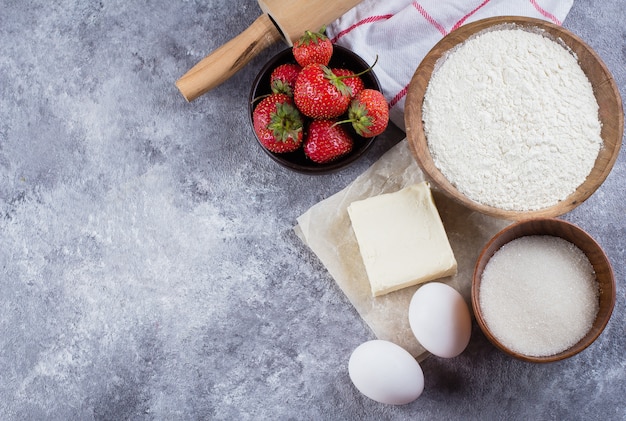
[[611, 115], [576, 236], [297, 161]]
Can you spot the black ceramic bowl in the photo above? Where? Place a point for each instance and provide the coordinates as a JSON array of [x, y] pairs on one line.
[[297, 161]]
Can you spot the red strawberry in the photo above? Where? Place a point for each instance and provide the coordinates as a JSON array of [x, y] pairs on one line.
[[278, 124], [369, 113], [354, 82], [313, 47], [283, 78], [326, 141], [319, 93]]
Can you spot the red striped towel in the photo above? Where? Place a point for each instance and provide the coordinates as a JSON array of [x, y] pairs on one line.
[[401, 32]]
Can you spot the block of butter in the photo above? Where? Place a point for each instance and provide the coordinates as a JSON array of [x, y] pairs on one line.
[[401, 239]]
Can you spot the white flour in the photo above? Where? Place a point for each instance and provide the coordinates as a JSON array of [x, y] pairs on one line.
[[512, 121]]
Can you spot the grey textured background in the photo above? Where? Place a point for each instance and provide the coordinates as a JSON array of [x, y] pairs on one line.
[[148, 266]]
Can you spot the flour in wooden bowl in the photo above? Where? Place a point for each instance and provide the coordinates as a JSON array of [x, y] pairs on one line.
[[511, 120]]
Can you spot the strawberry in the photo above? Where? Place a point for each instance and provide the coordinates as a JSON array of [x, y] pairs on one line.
[[326, 141], [278, 124], [369, 113], [313, 47], [354, 82], [319, 93], [283, 78]]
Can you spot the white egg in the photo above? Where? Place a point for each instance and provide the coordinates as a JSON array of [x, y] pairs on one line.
[[440, 319], [386, 373]]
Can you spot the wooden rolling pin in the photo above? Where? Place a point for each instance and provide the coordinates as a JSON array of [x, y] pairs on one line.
[[286, 19]]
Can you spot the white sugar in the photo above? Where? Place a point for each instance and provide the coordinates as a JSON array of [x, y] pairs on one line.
[[539, 295]]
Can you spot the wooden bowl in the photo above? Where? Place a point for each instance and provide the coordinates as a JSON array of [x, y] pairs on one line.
[[297, 161], [576, 236], [607, 95]]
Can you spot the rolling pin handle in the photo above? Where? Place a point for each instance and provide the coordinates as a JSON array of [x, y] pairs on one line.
[[228, 59]]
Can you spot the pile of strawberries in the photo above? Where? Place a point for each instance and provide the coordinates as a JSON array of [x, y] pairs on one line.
[[310, 105]]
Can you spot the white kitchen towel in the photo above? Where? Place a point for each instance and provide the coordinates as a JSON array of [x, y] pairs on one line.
[[401, 32]]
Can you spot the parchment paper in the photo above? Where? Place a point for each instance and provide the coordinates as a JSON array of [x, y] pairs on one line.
[[327, 230]]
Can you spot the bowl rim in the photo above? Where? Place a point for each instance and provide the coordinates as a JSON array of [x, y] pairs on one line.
[[558, 228], [612, 121], [313, 168]]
